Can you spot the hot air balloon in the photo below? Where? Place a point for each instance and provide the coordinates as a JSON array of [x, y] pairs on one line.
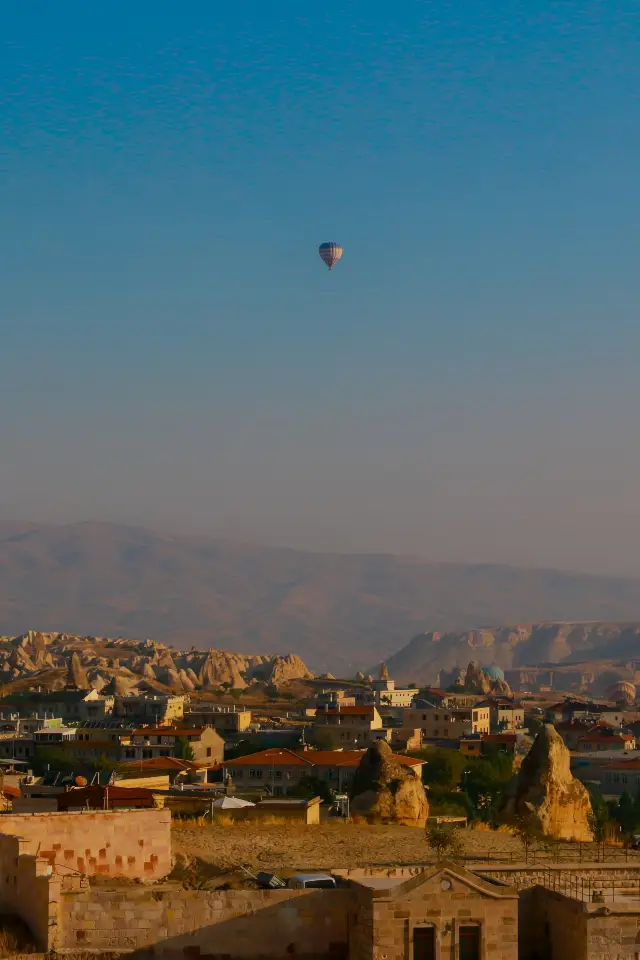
[[330, 253], [622, 691]]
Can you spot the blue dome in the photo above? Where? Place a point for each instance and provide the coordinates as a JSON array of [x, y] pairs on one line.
[[494, 672]]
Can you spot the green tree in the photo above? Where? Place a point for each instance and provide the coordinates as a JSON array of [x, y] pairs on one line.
[[484, 781], [310, 786], [183, 749], [527, 830], [52, 758], [445, 840], [442, 768], [626, 813], [598, 819]]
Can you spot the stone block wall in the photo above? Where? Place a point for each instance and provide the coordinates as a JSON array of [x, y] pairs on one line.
[[382, 926], [29, 890], [129, 843], [236, 925], [557, 927]]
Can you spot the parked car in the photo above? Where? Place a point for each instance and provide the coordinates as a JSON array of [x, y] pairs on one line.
[[311, 880]]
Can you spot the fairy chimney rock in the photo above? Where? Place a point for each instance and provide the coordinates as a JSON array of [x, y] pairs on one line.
[[546, 791], [385, 790]]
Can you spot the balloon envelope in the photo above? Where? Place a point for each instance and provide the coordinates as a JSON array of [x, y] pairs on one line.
[[330, 253]]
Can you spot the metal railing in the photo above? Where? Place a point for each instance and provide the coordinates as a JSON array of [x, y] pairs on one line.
[[601, 889], [560, 853]]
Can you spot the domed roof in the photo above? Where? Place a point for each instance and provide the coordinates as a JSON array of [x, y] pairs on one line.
[[494, 672]]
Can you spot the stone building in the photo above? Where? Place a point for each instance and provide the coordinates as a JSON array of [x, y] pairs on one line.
[[148, 742], [348, 728], [447, 723], [384, 691], [441, 913], [497, 912], [280, 770]]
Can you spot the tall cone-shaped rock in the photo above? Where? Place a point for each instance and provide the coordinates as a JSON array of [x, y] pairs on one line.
[[546, 791], [386, 790], [476, 680], [76, 674]]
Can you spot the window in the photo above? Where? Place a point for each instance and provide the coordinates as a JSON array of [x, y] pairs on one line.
[[424, 943], [255, 774], [208, 751], [278, 774], [469, 943]]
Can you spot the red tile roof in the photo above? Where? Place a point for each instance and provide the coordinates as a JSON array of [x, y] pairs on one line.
[[623, 765], [274, 755], [346, 711], [599, 736], [163, 764], [319, 758], [169, 731], [98, 797]]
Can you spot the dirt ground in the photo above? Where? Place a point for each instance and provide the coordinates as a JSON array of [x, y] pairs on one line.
[[332, 845]]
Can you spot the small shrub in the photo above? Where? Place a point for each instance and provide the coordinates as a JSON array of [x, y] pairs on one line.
[[446, 840]]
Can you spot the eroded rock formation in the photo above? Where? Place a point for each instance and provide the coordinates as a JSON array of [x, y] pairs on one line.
[[58, 660], [386, 790], [545, 791]]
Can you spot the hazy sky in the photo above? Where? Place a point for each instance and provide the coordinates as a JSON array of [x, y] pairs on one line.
[[463, 385]]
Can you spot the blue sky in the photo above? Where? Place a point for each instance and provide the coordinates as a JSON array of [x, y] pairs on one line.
[[461, 386]]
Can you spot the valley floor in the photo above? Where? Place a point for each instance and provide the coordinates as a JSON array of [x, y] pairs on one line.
[[285, 849]]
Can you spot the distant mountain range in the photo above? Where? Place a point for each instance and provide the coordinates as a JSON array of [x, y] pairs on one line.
[[592, 645], [338, 612]]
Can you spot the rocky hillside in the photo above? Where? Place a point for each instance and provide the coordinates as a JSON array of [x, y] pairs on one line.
[[119, 666], [338, 612], [431, 656]]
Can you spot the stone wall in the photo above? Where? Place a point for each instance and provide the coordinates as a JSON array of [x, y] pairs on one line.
[[552, 926], [234, 924], [130, 843], [560, 928], [383, 924], [29, 889]]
